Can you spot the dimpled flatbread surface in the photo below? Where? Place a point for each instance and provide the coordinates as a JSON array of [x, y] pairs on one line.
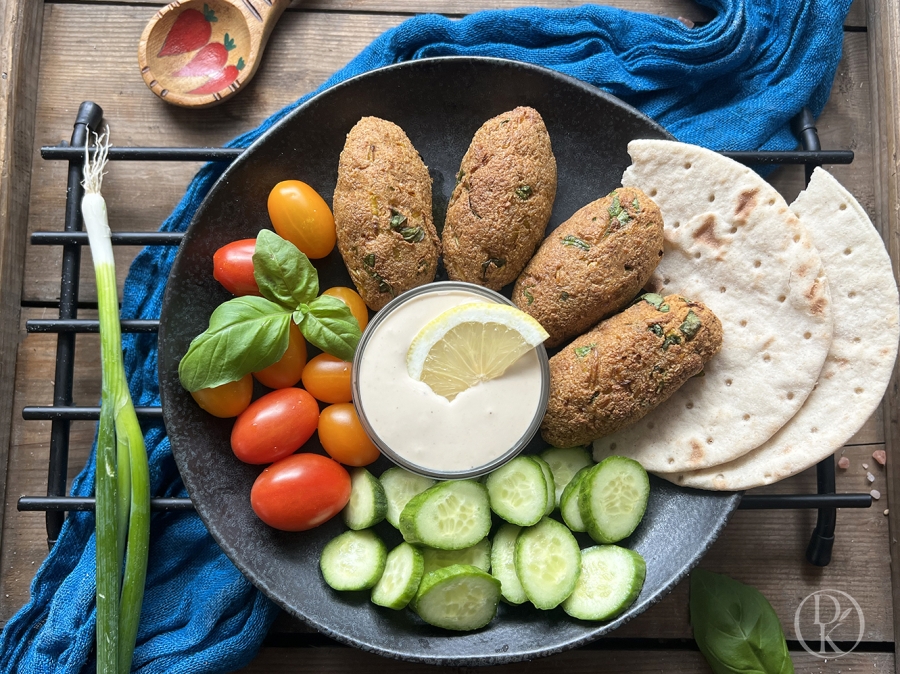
[[862, 354], [382, 212], [732, 243]]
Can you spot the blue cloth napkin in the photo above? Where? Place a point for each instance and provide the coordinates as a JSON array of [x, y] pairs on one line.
[[732, 84]]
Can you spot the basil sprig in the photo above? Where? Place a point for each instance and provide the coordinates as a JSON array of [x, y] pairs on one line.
[[735, 627], [247, 334]]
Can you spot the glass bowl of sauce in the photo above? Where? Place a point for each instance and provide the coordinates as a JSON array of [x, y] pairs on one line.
[[478, 431]]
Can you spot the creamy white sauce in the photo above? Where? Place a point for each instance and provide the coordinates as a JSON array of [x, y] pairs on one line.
[[478, 426]]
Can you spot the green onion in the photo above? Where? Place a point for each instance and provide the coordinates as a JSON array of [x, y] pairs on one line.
[[123, 480]]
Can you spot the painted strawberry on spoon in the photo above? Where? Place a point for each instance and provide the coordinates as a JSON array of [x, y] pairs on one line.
[[229, 74], [209, 60], [191, 30]]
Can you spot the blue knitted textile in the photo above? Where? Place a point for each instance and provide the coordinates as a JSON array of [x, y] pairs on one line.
[[732, 84]]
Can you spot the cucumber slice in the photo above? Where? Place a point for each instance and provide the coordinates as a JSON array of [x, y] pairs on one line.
[[449, 516], [399, 486], [564, 462], [548, 563], [613, 498], [399, 583], [569, 505], [518, 491], [611, 579], [458, 597], [503, 563], [478, 555], [353, 561], [551, 485], [368, 504]]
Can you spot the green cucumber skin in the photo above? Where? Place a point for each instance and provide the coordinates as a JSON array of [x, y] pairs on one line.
[[635, 584], [572, 514], [565, 463], [585, 500], [360, 478], [503, 564], [410, 520], [551, 485], [449, 573], [363, 581], [532, 591], [418, 570], [497, 506]]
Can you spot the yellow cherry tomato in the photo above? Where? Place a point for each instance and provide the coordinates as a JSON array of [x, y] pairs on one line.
[[302, 217], [353, 300], [327, 378], [344, 438], [227, 400], [287, 371]]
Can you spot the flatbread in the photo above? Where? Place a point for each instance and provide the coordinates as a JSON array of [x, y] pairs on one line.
[[861, 359], [732, 243]]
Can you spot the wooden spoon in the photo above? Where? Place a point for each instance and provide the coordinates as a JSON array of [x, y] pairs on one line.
[[197, 53]]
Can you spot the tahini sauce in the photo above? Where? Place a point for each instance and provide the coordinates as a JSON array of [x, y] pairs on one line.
[[479, 425]]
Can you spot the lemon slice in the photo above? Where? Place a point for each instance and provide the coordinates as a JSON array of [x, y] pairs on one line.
[[469, 344]]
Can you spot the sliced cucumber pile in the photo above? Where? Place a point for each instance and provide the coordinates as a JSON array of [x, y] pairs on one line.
[[368, 504], [613, 498], [458, 597], [449, 516], [353, 561], [611, 579], [478, 555], [452, 575]]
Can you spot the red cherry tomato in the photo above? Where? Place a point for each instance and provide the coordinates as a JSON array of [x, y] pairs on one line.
[[344, 438], [227, 400], [287, 371], [353, 300], [233, 267], [274, 426], [302, 217], [300, 492], [327, 377]]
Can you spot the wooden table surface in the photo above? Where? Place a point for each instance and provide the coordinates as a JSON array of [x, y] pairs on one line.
[[53, 55]]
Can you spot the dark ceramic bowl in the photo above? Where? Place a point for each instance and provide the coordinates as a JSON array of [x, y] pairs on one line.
[[440, 103]]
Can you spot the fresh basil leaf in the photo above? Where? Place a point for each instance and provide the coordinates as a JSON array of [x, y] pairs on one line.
[[328, 324], [283, 274], [245, 334], [735, 627]]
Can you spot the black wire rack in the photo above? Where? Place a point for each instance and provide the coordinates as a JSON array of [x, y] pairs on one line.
[[62, 412]]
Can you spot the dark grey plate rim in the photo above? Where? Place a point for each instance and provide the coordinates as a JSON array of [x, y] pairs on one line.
[[729, 500]]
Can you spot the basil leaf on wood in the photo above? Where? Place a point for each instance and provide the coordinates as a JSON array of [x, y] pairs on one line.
[[735, 627], [245, 334], [327, 323], [283, 273]]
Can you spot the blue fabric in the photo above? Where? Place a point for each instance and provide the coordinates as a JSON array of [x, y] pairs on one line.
[[732, 84]]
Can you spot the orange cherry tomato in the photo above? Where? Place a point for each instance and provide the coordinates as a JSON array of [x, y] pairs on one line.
[[227, 400], [302, 217], [275, 426], [344, 438], [233, 267], [327, 378], [300, 492], [287, 371], [352, 299]]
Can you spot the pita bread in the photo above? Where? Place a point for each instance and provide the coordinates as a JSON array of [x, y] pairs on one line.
[[732, 243], [859, 364]]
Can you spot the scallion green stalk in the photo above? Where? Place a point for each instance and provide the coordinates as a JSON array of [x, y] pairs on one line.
[[122, 479]]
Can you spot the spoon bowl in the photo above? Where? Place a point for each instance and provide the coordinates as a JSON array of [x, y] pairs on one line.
[[197, 53]]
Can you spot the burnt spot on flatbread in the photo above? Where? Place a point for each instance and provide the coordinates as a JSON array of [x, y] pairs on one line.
[[696, 451], [818, 302], [746, 203], [706, 232]]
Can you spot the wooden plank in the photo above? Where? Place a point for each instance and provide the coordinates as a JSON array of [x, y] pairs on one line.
[[884, 57], [335, 660], [19, 47]]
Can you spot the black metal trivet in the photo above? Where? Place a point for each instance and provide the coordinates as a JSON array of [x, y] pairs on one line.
[[72, 238]]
